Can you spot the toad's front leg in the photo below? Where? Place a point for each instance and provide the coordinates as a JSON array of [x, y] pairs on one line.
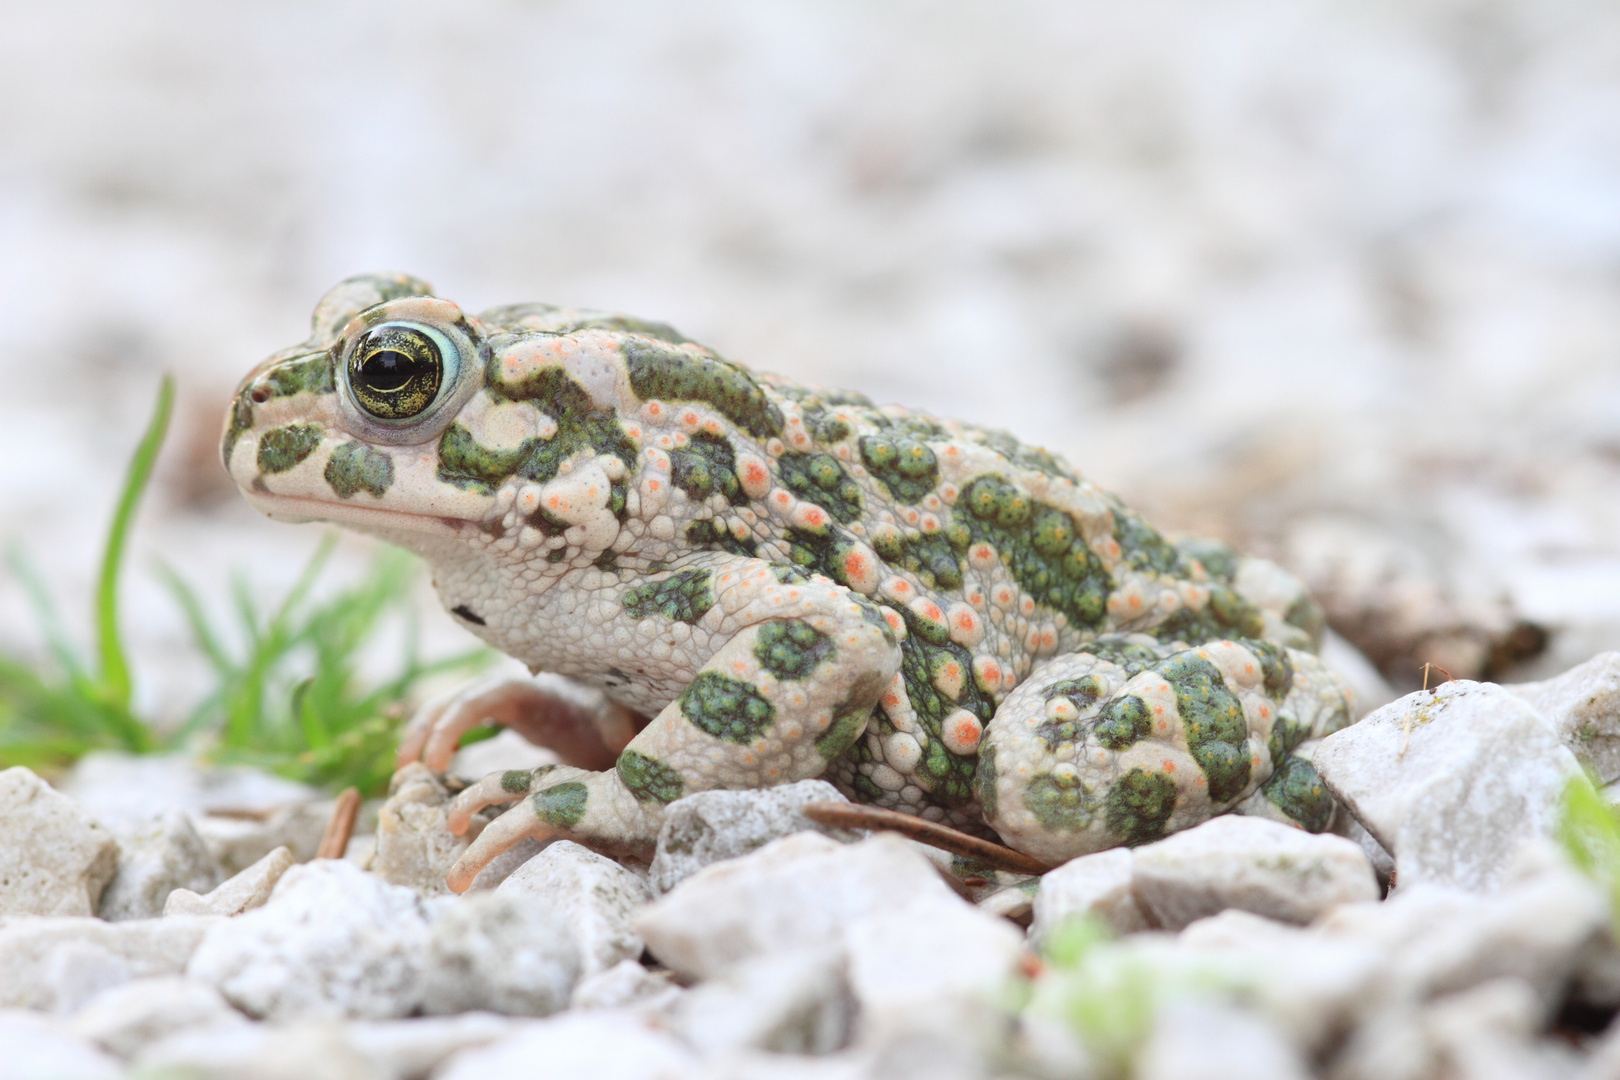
[[803, 664]]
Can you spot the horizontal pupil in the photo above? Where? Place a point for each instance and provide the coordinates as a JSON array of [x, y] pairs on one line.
[[389, 371]]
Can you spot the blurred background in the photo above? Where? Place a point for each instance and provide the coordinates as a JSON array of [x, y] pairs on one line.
[[1338, 282]]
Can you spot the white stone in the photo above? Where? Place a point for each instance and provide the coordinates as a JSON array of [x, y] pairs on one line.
[[789, 1002], [1312, 986], [1094, 886], [594, 898], [802, 891], [34, 1047], [243, 892], [1451, 781], [127, 791], [238, 842], [934, 960], [1383, 863], [600, 1045], [1250, 863], [498, 952], [53, 859], [414, 846], [333, 941], [1489, 1033], [310, 1050], [127, 1018], [1207, 1040], [1015, 903], [1583, 707], [1441, 940], [627, 985], [507, 863], [713, 825], [56, 965], [415, 1047], [154, 860]]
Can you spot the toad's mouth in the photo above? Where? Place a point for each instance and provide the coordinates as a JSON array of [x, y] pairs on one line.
[[296, 509]]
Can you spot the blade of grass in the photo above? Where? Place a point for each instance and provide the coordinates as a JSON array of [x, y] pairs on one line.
[[115, 685], [197, 621]]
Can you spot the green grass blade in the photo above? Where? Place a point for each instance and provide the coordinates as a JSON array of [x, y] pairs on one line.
[[197, 621], [50, 623], [114, 680]]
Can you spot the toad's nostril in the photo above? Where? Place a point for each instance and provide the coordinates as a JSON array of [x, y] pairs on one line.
[[260, 395]]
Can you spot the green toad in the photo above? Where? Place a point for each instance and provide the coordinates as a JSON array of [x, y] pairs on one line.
[[788, 581]]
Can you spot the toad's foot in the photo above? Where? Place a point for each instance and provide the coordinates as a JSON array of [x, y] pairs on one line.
[[788, 691], [1130, 739], [582, 735]]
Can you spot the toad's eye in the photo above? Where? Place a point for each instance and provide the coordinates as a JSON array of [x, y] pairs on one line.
[[395, 372]]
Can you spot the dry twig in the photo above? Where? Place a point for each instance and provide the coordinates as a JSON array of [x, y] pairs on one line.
[[855, 816]]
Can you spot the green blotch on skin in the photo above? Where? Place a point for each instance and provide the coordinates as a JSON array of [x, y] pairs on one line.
[[1306, 614], [818, 478], [355, 466], [1286, 735], [929, 556], [710, 533], [1141, 546], [791, 648], [984, 782], [1082, 693], [241, 420], [1138, 806], [1236, 613], [906, 466], [872, 615], [309, 374], [947, 776], [788, 574], [866, 788], [284, 447], [1123, 722], [1213, 720], [828, 429], [684, 596], [581, 425], [1276, 668], [1034, 458], [1129, 655], [466, 464], [1060, 802], [706, 465], [668, 374], [1218, 559], [562, 805], [848, 724], [1296, 790], [1025, 534], [726, 708], [649, 779], [629, 324], [515, 780]]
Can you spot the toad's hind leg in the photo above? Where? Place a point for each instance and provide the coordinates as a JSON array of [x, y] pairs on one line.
[[1132, 739], [791, 689]]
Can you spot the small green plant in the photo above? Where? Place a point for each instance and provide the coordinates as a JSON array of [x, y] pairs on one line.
[[1589, 830], [1109, 992], [287, 694]]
